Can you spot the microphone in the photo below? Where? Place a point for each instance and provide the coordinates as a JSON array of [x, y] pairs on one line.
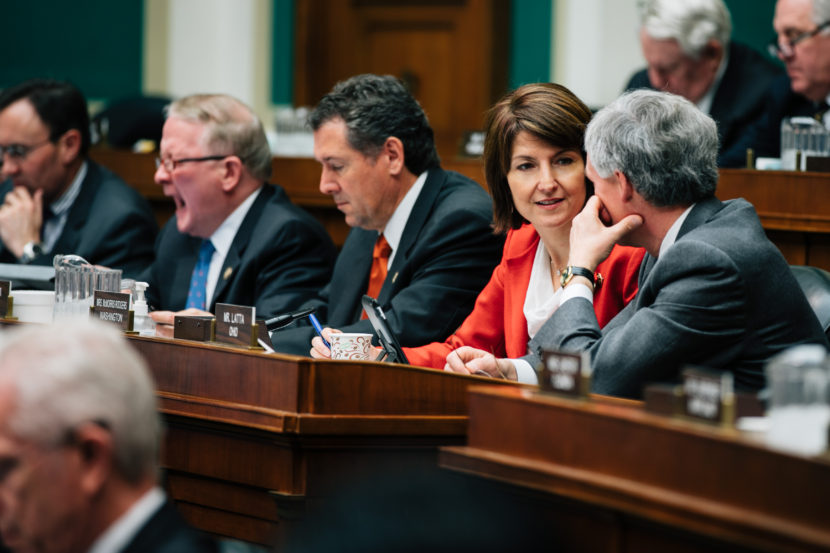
[[287, 318]]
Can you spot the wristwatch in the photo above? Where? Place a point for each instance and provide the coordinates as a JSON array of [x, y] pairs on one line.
[[571, 271], [30, 251]]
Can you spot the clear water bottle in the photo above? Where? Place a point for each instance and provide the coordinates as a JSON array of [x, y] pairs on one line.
[[805, 135]]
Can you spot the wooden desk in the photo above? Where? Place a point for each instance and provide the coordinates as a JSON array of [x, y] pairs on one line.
[[645, 483], [794, 208], [254, 440]]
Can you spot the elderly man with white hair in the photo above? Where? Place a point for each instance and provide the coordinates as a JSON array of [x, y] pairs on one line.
[[687, 48], [79, 446]]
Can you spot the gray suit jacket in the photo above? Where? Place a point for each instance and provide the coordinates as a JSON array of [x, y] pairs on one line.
[[721, 297]]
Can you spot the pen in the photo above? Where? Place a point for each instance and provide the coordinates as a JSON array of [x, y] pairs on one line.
[[317, 328]]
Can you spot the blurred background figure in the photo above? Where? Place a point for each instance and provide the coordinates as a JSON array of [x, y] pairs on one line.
[[802, 42], [687, 48], [79, 446], [56, 200]]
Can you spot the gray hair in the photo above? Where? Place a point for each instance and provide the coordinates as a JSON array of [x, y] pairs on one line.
[[821, 11], [692, 23], [661, 142], [232, 128], [72, 373]]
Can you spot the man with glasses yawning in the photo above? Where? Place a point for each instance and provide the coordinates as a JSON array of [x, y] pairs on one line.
[[802, 42], [234, 238], [53, 199]]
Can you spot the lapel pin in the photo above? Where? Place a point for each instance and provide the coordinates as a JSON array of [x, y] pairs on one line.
[[394, 278], [227, 274]]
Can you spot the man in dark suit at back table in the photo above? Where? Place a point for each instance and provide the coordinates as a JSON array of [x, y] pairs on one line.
[[421, 241], [80, 434], [713, 290], [54, 199], [802, 42], [686, 44], [234, 237]]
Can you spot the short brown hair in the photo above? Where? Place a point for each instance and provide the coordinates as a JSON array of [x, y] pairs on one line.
[[548, 111]]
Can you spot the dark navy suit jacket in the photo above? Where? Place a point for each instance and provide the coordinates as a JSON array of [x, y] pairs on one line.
[[446, 255], [278, 260], [739, 99], [167, 532], [764, 136]]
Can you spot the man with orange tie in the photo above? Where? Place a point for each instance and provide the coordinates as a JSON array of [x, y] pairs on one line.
[[421, 241]]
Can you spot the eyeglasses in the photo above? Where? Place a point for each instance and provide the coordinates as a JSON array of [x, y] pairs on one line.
[[776, 48], [18, 152], [170, 164]]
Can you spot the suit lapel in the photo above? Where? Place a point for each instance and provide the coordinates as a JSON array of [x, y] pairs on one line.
[[351, 277], [417, 218], [240, 242]]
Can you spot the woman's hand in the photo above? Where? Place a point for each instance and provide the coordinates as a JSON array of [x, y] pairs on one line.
[[467, 360]]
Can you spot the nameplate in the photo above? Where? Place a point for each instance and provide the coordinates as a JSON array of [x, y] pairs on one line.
[[565, 373], [817, 163], [669, 400], [112, 307], [6, 301], [200, 328], [236, 324], [708, 395]]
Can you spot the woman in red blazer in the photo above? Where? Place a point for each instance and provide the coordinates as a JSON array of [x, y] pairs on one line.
[[535, 169]]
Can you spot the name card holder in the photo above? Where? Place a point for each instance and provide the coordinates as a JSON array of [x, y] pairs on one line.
[[704, 395], [113, 307], [6, 301], [236, 325], [709, 396], [564, 373], [199, 328]]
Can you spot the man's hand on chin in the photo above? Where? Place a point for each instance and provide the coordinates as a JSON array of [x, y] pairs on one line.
[[21, 217], [592, 239]]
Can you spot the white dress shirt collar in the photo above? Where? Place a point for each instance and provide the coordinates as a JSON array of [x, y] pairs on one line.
[[53, 227], [671, 236], [705, 103], [222, 238], [123, 530], [397, 223]]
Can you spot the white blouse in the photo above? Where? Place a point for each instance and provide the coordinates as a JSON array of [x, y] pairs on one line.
[[541, 300]]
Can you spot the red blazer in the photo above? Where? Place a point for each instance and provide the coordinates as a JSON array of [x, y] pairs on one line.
[[497, 322]]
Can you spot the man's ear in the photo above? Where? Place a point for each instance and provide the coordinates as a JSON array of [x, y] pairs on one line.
[[96, 456], [394, 152], [231, 173], [69, 146], [713, 50], [624, 187]]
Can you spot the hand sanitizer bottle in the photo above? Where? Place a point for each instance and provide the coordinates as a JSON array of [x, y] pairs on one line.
[[142, 323]]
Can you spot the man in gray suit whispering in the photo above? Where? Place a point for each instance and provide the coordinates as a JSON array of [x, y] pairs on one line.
[[713, 290]]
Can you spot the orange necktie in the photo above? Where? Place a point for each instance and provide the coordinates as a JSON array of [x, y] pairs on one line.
[[380, 260]]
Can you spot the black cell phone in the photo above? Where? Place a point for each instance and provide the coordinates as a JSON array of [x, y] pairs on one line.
[[392, 351]]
